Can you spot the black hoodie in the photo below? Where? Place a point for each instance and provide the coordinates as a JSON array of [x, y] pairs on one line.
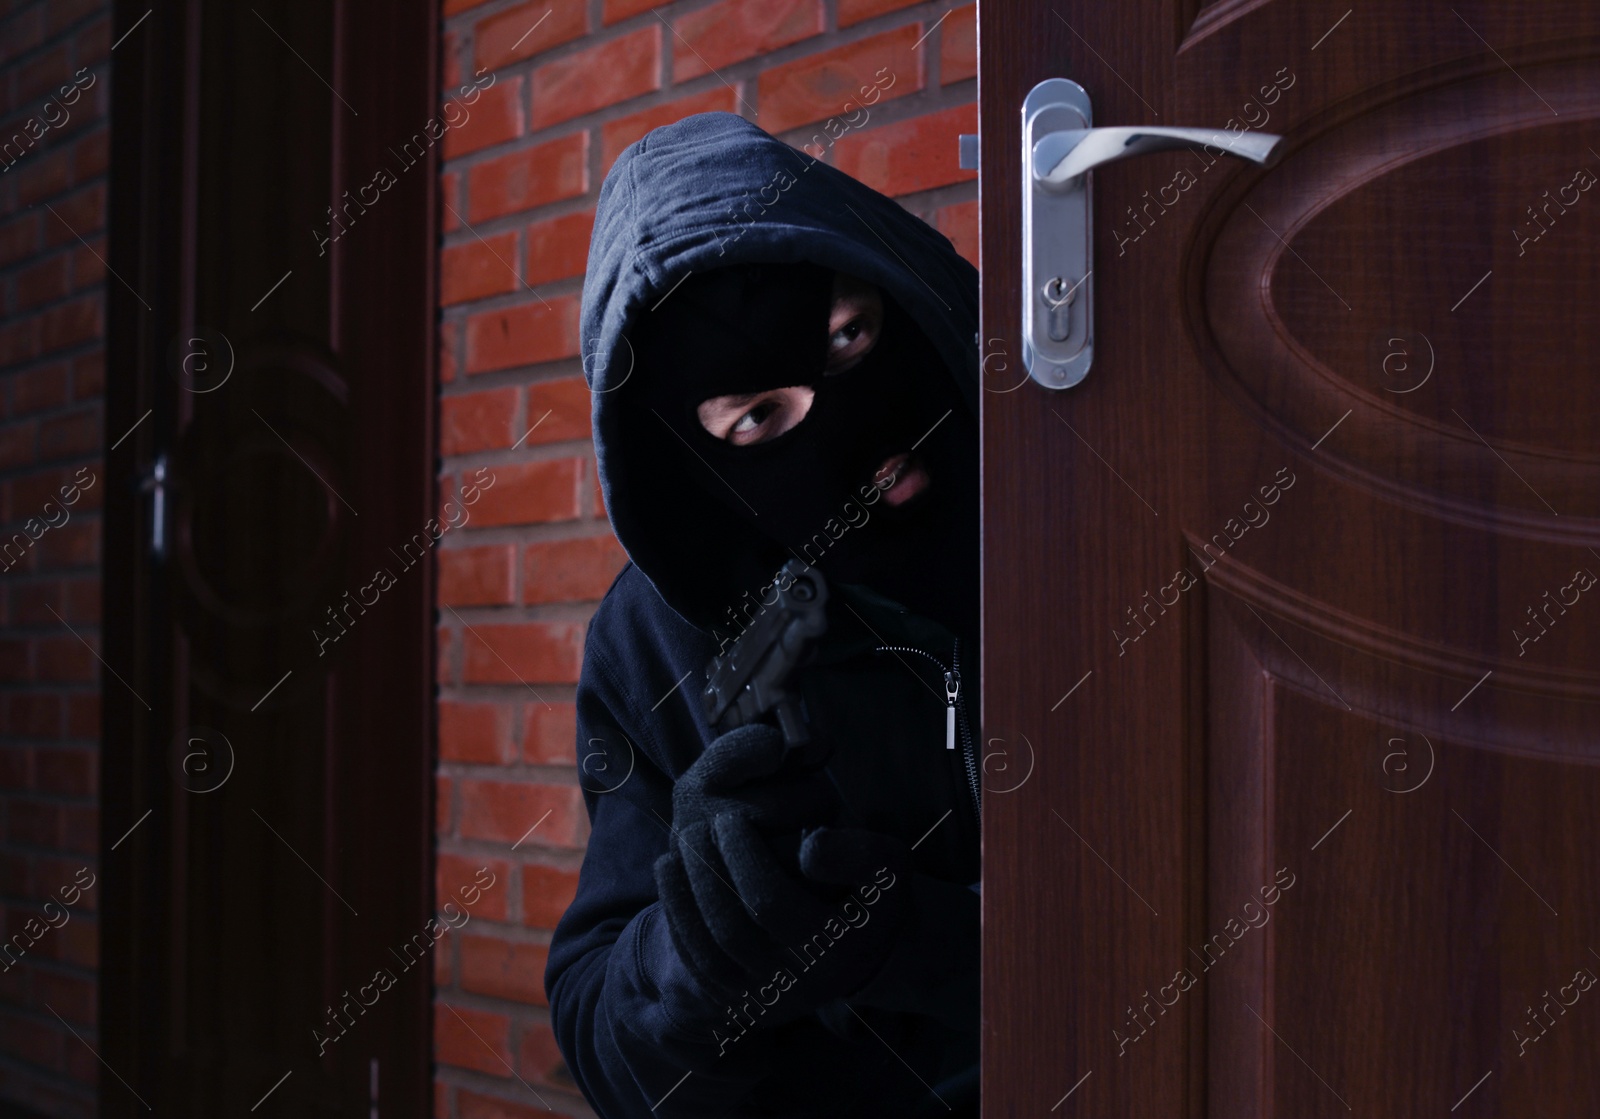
[[639, 1035]]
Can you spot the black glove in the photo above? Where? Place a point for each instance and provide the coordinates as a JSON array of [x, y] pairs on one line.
[[744, 771], [840, 921], [742, 921]]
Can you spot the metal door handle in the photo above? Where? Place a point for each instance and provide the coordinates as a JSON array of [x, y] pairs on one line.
[[1060, 157], [1059, 149]]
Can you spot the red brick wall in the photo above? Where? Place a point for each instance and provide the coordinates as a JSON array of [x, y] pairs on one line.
[[52, 315], [574, 83]]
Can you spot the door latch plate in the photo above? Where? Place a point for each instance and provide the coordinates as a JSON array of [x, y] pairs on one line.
[[1057, 246]]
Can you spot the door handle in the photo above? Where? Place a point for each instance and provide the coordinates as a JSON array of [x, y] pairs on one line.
[[1060, 147]]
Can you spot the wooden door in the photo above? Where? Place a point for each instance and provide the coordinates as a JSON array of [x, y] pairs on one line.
[[1291, 618], [267, 825]]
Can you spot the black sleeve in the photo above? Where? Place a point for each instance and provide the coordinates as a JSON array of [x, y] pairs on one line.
[[637, 1032]]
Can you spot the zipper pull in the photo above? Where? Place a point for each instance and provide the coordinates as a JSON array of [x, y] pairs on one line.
[[952, 689]]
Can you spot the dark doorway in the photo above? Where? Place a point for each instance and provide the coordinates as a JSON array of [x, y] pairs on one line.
[[267, 827]]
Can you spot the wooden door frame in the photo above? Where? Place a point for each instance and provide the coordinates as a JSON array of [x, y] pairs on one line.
[[152, 229]]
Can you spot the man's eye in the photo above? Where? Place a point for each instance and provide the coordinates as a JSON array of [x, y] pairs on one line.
[[850, 343], [749, 423]]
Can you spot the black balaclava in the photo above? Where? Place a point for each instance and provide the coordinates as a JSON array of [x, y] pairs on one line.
[[752, 327]]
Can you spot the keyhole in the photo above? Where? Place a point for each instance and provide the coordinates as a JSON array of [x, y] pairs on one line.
[[1059, 298]]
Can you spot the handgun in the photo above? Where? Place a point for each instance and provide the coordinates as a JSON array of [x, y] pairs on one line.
[[752, 680]]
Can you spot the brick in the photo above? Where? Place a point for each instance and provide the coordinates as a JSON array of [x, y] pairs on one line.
[[71, 323], [14, 660], [475, 732], [66, 659], [67, 772], [450, 52], [19, 238], [449, 344], [16, 770], [504, 969], [82, 601], [503, 811], [13, 875], [460, 878], [78, 942], [20, 35], [524, 31], [42, 73], [709, 38], [478, 268], [546, 893], [571, 570], [34, 609], [539, 1058], [441, 1095], [18, 341], [76, 433], [73, 997], [559, 410], [523, 653], [33, 823], [476, 1105], [91, 155], [63, 13], [32, 491], [444, 971], [599, 495], [76, 216], [71, 545], [911, 155], [558, 248], [605, 74], [454, 7], [531, 177], [525, 335], [960, 223], [958, 45], [496, 117], [80, 826], [614, 11], [838, 81], [89, 264], [618, 134], [37, 389], [37, 1041], [44, 282], [472, 1039], [52, 875], [443, 805], [94, 42], [531, 493], [18, 444], [550, 734], [476, 576], [450, 199], [33, 715], [88, 375], [45, 176], [14, 986], [854, 11]]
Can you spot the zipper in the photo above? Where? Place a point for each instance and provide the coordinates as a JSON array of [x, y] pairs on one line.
[[969, 755], [952, 700]]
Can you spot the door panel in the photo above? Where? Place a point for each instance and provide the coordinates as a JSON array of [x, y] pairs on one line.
[[268, 814], [1294, 597]]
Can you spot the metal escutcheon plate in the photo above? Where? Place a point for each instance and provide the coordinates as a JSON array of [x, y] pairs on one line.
[[1057, 247]]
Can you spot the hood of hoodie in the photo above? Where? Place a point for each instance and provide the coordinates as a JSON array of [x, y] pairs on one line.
[[705, 192]]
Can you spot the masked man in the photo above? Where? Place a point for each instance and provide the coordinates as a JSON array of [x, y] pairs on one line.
[[784, 369]]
